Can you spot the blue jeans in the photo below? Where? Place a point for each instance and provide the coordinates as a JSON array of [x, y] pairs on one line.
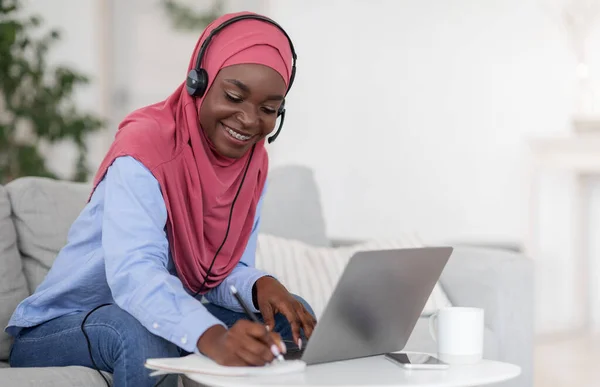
[[120, 344]]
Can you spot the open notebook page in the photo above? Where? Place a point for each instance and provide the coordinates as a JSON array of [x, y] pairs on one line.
[[195, 363]]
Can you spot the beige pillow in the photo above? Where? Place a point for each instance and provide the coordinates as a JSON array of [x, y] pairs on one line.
[[312, 272]]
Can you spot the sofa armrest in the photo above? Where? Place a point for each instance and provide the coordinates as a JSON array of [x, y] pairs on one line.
[[500, 282]]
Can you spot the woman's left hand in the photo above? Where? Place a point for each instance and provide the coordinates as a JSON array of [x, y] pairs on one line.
[[272, 297]]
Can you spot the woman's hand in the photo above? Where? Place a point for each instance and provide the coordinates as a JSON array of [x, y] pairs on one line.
[[272, 297], [245, 344]]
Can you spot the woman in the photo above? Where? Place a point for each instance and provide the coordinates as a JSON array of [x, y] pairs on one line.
[[174, 215]]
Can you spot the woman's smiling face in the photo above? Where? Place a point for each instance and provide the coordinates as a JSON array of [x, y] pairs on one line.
[[240, 108]]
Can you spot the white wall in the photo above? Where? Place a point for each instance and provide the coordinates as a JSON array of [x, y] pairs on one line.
[[418, 110], [415, 115]]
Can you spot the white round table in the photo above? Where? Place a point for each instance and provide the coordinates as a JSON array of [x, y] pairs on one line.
[[373, 371]]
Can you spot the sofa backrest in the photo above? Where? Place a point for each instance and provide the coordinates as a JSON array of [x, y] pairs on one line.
[[44, 209], [13, 287], [292, 207]]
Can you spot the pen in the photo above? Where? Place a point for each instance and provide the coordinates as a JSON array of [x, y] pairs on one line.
[[253, 317]]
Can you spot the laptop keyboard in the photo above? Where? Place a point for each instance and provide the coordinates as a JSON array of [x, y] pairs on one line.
[[293, 352]]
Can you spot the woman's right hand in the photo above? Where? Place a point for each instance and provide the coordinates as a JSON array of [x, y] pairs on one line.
[[245, 344]]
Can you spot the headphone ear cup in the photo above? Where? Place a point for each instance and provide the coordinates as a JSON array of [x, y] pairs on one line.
[[196, 82]]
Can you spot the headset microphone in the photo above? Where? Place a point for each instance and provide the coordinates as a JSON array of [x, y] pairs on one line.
[[273, 137]]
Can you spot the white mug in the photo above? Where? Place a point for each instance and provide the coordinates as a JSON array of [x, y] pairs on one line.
[[458, 332]]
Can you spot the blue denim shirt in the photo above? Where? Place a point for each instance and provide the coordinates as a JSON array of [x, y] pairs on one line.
[[117, 252]]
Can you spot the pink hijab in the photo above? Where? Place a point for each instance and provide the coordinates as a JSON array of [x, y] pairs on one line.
[[198, 185]]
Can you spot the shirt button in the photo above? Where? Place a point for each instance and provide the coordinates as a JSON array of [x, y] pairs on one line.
[[184, 340], [155, 325]]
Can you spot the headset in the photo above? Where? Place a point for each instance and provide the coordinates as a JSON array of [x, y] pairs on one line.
[[197, 79], [196, 85]]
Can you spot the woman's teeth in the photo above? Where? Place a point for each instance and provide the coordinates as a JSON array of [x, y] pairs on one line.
[[236, 135]]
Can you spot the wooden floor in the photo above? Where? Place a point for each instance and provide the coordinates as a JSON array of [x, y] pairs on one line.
[[568, 362]]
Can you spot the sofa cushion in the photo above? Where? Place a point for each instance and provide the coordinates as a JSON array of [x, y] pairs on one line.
[[43, 211], [13, 287], [313, 272], [53, 376], [292, 206]]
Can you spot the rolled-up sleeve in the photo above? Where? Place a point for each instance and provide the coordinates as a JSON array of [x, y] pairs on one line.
[[244, 275], [137, 254]]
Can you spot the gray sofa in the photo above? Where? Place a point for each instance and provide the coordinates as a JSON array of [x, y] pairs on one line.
[[36, 213]]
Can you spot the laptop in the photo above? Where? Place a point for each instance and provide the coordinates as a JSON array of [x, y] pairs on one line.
[[375, 304]]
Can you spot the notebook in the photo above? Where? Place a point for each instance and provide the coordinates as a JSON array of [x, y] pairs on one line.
[[196, 363]]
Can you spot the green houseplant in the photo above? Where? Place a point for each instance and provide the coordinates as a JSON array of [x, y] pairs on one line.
[[36, 102], [185, 18]]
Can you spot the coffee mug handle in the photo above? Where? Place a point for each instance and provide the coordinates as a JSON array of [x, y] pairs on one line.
[[432, 322]]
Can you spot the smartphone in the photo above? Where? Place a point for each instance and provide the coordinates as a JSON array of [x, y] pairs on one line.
[[416, 361]]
